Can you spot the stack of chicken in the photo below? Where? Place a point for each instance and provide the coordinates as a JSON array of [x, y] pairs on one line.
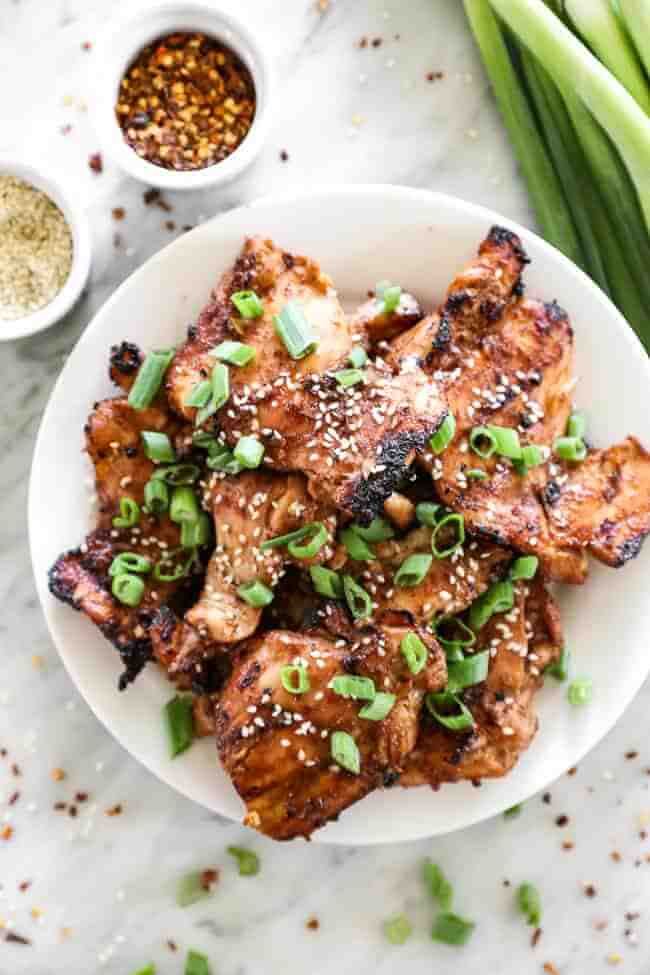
[[391, 494]]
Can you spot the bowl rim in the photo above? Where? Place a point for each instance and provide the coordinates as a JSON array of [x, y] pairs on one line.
[[124, 39], [185, 785], [55, 187]]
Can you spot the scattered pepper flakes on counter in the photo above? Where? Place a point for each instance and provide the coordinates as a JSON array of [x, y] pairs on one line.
[[36, 913], [601, 925], [284, 155], [81, 796], [13, 798], [362, 42], [170, 225], [3, 752], [186, 102], [547, 798], [573, 770], [65, 933], [614, 958], [209, 878], [616, 856], [37, 662], [435, 75], [95, 162], [172, 945], [60, 806], [568, 845], [118, 213], [313, 924], [534, 938], [590, 890], [24, 885], [115, 810], [632, 915], [15, 770], [631, 754], [550, 968], [72, 811], [377, 41], [6, 832], [86, 46], [322, 6], [18, 939], [58, 774], [562, 820], [117, 241]]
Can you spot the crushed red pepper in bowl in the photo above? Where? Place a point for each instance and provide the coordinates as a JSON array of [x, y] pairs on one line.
[[186, 102]]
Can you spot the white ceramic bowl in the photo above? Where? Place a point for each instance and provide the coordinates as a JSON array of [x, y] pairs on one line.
[[360, 234], [56, 189], [123, 42]]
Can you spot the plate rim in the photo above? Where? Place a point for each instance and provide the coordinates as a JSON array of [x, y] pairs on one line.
[[397, 192]]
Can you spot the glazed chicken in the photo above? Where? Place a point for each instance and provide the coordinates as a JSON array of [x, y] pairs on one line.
[[521, 643], [277, 746], [354, 443], [375, 326]]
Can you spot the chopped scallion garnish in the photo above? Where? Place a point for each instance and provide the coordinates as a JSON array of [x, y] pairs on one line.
[[157, 447], [413, 570], [358, 600], [379, 530], [149, 378], [326, 582], [482, 442], [220, 458], [427, 513], [576, 426], [389, 294], [196, 964], [175, 572], [249, 452], [499, 598], [156, 497], [149, 969], [476, 474], [456, 523], [560, 667], [128, 589], [293, 328], [196, 533], [570, 448], [247, 860], [199, 395], [513, 811], [256, 594], [357, 688], [358, 357], [129, 562], [579, 691], [355, 546], [444, 434], [524, 567], [452, 929], [344, 751], [192, 888], [465, 673], [379, 708], [398, 929], [529, 903], [414, 652], [177, 474], [438, 885], [349, 377], [234, 353], [179, 720], [129, 514], [184, 505], [453, 634], [247, 304], [295, 678], [449, 711]]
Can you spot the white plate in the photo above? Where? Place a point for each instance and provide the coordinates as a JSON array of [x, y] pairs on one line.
[[360, 234]]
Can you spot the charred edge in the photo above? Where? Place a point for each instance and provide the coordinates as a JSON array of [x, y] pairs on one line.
[[555, 312], [501, 235], [135, 654], [125, 358], [369, 494], [165, 623], [551, 493], [243, 273], [629, 549], [288, 260], [60, 587], [214, 673], [250, 676], [491, 310], [390, 778], [441, 339], [519, 288]]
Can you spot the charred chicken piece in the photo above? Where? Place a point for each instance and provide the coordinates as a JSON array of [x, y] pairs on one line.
[[603, 503], [376, 325], [126, 358], [276, 746], [521, 642], [250, 509]]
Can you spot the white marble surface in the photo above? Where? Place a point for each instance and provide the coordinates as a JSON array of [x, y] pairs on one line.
[[101, 895]]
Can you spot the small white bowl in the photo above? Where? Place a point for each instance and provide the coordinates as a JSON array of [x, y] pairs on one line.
[[119, 48], [38, 321]]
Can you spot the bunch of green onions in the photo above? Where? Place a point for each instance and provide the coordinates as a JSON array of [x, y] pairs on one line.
[[571, 78]]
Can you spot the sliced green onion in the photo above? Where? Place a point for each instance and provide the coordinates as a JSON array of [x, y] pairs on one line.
[[204, 439], [427, 513], [414, 652], [191, 888], [196, 533], [179, 571], [295, 678], [129, 562], [200, 394], [156, 497], [413, 570], [513, 811], [319, 537], [560, 667], [149, 969], [247, 860], [344, 751], [437, 884], [379, 708], [220, 385], [358, 600], [636, 15], [444, 434], [129, 514], [234, 353], [295, 536], [157, 447], [255, 594], [293, 328], [247, 304], [349, 377], [476, 474], [184, 506], [524, 567], [149, 378], [579, 691], [358, 357], [357, 688], [499, 598], [452, 929], [441, 706], [220, 458], [355, 546], [177, 474], [390, 294], [458, 522], [179, 721], [483, 442], [397, 930], [326, 582], [532, 455], [576, 426], [570, 448], [379, 530], [452, 634], [529, 903], [128, 589], [507, 442], [249, 452], [196, 964], [467, 672]]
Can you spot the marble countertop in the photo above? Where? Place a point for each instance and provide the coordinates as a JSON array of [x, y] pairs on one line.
[[95, 893]]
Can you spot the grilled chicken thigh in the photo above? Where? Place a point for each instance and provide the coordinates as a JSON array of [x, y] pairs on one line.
[[276, 746], [376, 325]]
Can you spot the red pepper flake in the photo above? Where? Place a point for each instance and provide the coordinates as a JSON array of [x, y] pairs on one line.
[[572, 771], [151, 195], [601, 925], [631, 755], [550, 968], [7, 832], [96, 162], [568, 845], [13, 798], [58, 806], [209, 878], [312, 924], [616, 856], [562, 820], [435, 75], [643, 835], [590, 890], [114, 810], [14, 938], [534, 939], [377, 41], [186, 227], [170, 225], [506, 883], [363, 42], [15, 770], [72, 811], [66, 129], [632, 915], [118, 213], [58, 774], [81, 796], [3, 752], [172, 945], [24, 885], [284, 155], [86, 46]]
